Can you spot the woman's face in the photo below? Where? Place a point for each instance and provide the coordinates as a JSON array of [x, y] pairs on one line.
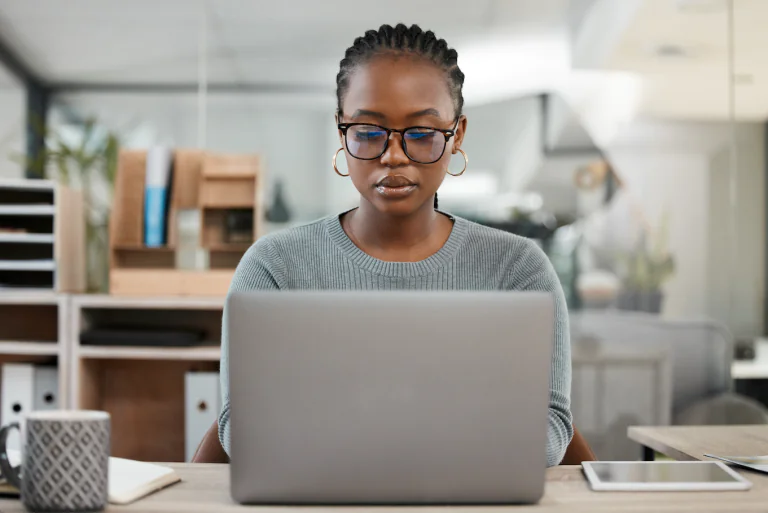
[[400, 92]]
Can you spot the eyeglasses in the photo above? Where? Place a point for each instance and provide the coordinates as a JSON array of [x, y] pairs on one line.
[[422, 144]]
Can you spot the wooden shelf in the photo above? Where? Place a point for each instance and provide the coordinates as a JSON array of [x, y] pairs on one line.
[[27, 210], [197, 353], [33, 330], [28, 185], [142, 387], [27, 265], [29, 348], [155, 249], [145, 399], [212, 283], [230, 248], [143, 302], [29, 297], [27, 238]]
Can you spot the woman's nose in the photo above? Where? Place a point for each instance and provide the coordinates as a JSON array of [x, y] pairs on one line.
[[394, 155]]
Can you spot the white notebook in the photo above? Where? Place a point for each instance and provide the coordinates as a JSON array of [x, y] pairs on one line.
[[129, 480]]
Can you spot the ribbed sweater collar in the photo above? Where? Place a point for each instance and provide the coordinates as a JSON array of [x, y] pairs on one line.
[[398, 269]]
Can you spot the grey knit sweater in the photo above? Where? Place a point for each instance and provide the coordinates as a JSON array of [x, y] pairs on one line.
[[321, 256]]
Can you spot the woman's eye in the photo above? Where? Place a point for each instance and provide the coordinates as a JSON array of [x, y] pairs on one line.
[[367, 135], [419, 135]]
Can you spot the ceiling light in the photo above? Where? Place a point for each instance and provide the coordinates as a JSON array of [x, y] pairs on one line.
[[670, 50]]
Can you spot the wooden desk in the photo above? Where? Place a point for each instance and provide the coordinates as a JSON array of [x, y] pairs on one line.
[[686, 443], [205, 488]]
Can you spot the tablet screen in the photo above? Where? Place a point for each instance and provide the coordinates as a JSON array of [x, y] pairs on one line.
[[661, 472]]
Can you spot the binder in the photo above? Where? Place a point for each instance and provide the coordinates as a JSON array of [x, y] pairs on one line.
[[156, 193], [201, 407], [46, 388], [17, 396]]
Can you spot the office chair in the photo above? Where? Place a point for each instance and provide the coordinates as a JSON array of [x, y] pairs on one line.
[[210, 450]]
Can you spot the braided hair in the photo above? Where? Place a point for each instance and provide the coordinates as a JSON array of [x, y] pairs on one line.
[[402, 40]]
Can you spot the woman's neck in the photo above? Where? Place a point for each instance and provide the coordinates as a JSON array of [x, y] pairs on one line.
[[394, 238]]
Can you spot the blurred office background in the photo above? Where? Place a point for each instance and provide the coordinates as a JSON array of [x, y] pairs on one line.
[[628, 138]]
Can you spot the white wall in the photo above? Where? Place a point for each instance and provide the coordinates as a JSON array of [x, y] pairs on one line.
[[682, 168], [737, 292], [675, 183], [12, 129]]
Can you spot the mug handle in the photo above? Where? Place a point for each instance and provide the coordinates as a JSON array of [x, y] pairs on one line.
[[10, 473]]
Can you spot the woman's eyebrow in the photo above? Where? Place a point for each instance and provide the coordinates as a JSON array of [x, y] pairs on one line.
[[425, 112], [371, 113], [362, 112]]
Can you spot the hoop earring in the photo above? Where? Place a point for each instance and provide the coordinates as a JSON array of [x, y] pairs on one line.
[[334, 162], [466, 161]]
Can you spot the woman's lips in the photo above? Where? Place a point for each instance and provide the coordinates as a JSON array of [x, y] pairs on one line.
[[395, 186]]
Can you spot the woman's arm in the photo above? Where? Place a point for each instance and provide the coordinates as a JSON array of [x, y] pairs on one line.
[[261, 268], [532, 270]]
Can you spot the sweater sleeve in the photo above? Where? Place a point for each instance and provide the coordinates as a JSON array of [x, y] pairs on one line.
[[261, 268], [533, 271]]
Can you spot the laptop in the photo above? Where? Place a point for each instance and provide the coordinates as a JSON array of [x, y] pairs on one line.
[[389, 397]]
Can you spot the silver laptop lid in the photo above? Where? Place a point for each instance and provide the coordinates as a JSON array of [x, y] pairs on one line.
[[389, 397]]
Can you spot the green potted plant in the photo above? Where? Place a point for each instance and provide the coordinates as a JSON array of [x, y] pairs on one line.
[[89, 165], [645, 271]]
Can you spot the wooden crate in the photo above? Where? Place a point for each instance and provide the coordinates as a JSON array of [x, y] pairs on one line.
[[228, 182]]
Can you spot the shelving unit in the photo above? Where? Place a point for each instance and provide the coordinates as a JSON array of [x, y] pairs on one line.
[[23, 348], [141, 387], [40, 247], [198, 354], [218, 185], [33, 329]]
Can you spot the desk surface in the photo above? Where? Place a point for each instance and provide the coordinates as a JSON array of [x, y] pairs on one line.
[[205, 488], [692, 442]]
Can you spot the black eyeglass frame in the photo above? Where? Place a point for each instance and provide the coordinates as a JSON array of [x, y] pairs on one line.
[[447, 133]]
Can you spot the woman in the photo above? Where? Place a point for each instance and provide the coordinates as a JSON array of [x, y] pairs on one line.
[[400, 121]]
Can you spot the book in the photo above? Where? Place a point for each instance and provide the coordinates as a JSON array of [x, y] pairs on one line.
[[201, 408], [157, 182], [129, 480], [17, 397]]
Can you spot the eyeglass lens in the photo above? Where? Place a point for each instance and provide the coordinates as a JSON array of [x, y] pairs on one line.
[[424, 145]]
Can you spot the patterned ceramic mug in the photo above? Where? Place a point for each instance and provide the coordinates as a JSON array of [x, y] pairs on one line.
[[65, 460]]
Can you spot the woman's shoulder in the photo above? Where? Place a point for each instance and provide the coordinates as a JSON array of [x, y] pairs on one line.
[[523, 261], [497, 240]]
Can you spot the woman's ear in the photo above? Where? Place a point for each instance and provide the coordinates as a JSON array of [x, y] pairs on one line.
[[461, 129]]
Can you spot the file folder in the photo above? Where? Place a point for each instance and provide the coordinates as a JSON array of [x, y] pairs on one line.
[[201, 407]]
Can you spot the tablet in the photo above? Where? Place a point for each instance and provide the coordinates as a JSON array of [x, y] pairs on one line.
[[662, 476]]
